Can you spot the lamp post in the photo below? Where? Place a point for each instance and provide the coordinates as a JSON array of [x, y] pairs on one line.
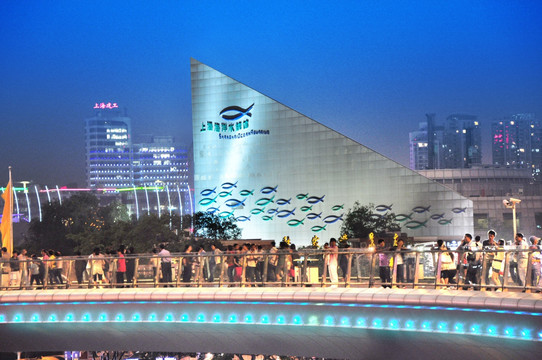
[[511, 204]]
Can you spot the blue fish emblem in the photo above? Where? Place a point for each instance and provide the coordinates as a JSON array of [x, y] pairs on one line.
[[330, 219], [306, 208], [382, 208], [314, 216], [232, 113], [318, 228], [283, 201], [234, 203], [285, 213], [267, 218], [226, 214], [225, 193], [315, 199], [268, 190], [257, 211], [459, 210], [272, 211], [445, 221], [243, 218], [212, 210], [337, 207], [228, 185], [375, 217], [421, 209], [295, 222], [437, 216], [207, 201], [302, 196], [246, 192], [265, 201], [414, 224], [208, 192], [403, 217]]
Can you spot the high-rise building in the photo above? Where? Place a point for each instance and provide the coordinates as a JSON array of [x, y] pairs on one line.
[[108, 148], [160, 160], [455, 145], [517, 142]]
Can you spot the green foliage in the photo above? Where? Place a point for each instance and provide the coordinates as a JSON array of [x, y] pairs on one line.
[[211, 226], [360, 221]]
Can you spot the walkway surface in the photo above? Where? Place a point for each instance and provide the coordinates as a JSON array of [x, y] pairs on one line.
[[322, 322]]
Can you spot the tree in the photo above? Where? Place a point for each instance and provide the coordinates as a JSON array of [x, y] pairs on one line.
[[211, 226], [360, 221]]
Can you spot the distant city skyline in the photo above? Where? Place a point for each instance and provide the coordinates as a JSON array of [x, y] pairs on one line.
[[370, 71]]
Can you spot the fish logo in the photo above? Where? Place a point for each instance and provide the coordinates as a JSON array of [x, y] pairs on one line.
[[212, 210], [445, 221], [267, 218], [272, 211], [208, 192], [246, 192], [382, 208], [228, 185], [234, 203], [337, 207], [330, 219], [403, 217], [306, 208], [314, 216], [295, 222], [207, 201], [232, 113], [257, 211], [268, 190], [284, 201], [265, 201], [437, 216], [421, 209], [226, 214], [302, 196], [315, 199], [414, 224], [459, 210], [243, 218], [318, 228], [225, 193], [285, 213]]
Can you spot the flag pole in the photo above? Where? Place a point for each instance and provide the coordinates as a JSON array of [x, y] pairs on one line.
[[11, 213]]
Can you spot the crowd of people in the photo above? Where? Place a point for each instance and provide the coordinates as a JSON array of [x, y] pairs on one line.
[[472, 265]]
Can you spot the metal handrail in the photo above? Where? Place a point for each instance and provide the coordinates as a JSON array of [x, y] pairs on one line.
[[409, 268]]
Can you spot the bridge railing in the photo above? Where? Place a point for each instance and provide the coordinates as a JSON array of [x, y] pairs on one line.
[[498, 269]]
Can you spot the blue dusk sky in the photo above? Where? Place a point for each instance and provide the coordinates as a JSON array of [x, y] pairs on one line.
[[369, 69]]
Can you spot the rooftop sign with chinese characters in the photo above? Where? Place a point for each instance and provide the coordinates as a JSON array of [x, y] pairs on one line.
[[106, 106]]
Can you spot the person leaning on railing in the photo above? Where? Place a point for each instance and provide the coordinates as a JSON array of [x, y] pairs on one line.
[[497, 266]]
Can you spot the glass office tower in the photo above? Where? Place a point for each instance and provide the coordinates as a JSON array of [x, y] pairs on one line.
[[280, 173]]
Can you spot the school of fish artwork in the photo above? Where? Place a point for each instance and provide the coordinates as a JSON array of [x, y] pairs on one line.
[[229, 185], [225, 193], [267, 218], [295, 222], [315, 199], [257, 211], [213, 210], [383, 208], [243, 218], [337, 207], [246, 192], [458, 210], [314, 216], [226, 214], [306, 208], [330, 219], [437, 216], [403, 217], [318, 228], [265, 201], [421, 209], [207, 201], [207, 192], [234, 203], [414, 224], [283, 201], [268, 189], [302, 196], [445, 221], [285, 213]]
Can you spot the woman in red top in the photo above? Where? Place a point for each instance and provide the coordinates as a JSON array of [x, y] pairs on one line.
[[121, 268]]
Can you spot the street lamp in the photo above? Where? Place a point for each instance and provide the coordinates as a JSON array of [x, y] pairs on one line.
[[511, 204]]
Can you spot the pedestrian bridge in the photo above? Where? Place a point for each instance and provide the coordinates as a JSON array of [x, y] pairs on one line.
[[321, 322]]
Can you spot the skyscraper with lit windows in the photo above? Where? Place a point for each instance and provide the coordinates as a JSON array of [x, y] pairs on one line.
[[108, 147]]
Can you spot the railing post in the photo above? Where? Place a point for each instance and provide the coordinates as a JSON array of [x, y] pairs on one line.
[[506, 270], [348, 270], [416, 270]]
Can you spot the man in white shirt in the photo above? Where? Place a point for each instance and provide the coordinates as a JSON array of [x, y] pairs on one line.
[[165, 257]]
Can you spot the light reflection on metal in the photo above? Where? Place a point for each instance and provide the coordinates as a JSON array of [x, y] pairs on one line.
[[169, 205], [39, 202], [58, 192], [136, 204], [48, 195], [180, 206], [158, 202], [147, 197], [28, 206], [191, 209], [17, 204]]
